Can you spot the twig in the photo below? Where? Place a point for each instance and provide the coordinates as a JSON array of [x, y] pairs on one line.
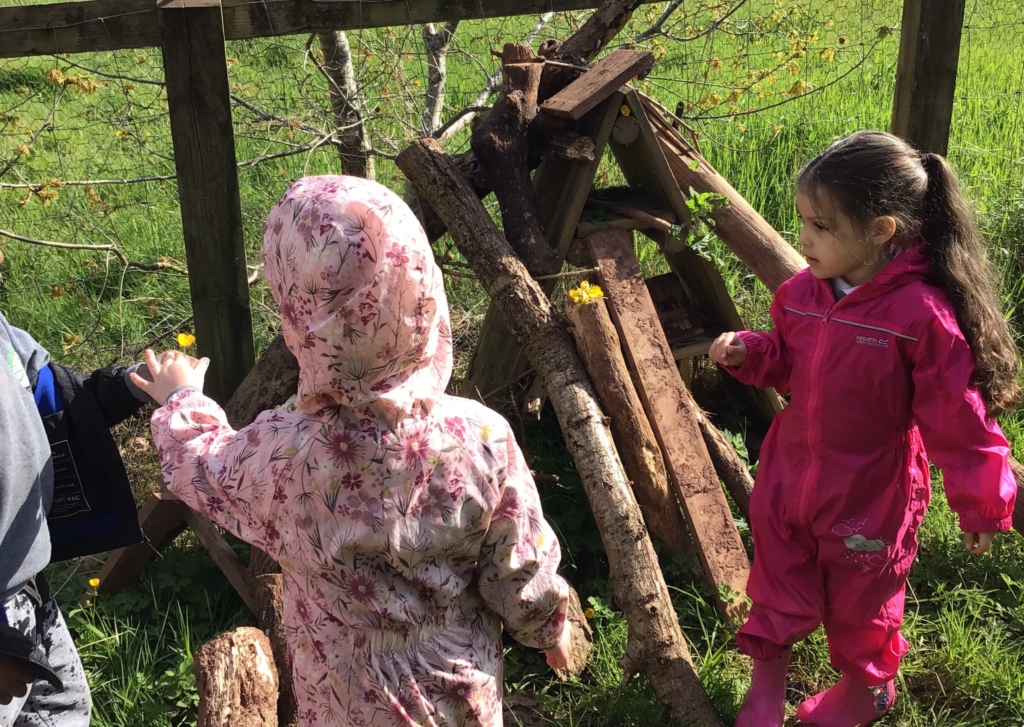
[[110, 248], [35, 137], [570, 274]]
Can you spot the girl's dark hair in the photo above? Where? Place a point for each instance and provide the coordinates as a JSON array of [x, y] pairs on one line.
[[872, 174]]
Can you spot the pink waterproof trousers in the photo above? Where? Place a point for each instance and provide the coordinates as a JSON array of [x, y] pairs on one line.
[[843, 480]]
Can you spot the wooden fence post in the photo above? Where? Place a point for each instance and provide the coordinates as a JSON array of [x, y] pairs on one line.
[[195, 67], [926, 75]]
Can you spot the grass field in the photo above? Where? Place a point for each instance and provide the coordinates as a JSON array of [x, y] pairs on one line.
[[965, 616]]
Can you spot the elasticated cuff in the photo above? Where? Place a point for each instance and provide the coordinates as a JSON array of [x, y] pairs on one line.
[[985, 525]]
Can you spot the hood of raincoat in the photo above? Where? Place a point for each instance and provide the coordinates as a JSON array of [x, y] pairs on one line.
[[362, 301]]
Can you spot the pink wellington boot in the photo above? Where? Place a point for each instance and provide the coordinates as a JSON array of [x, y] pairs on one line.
[[765, 703], [848, 703]]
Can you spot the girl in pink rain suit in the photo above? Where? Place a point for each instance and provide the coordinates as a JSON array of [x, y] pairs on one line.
[[407, 525]]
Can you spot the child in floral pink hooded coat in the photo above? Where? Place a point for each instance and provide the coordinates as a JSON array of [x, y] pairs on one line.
[[406, 522]]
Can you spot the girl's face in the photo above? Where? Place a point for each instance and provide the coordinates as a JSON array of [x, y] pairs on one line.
[[836, 246]]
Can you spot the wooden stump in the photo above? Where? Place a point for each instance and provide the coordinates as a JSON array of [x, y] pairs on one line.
[[237, 680], [598, 344]]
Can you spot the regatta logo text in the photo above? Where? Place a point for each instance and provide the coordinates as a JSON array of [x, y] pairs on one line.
[[876, 342]]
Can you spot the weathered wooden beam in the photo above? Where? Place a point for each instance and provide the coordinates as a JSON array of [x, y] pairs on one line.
[[656, 645], [922, 109], [597, 84], [102, 25], [211, 214], [599, 347], [755, 242], [674, 417]]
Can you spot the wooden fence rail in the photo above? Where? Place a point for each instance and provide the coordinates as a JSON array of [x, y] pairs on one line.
[[101, 25]]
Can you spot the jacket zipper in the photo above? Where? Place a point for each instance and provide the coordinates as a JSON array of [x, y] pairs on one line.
[[814, 420]]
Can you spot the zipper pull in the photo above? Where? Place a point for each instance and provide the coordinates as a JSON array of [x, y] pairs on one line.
[[828, 314]]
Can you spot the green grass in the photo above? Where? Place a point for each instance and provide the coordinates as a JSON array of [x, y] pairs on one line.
[[965, 616]]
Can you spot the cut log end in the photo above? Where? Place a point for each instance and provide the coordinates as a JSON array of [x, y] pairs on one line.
[[237, 680]]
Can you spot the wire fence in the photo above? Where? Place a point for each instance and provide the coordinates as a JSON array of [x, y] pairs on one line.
[[86, 156]]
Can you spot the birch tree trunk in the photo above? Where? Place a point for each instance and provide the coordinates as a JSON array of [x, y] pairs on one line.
[[436, 42], [656, 646], [347, 105]]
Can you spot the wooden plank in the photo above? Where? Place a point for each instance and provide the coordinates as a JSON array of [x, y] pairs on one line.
[[922, 108], [102, 25], [562, 188], [215, 544], [678, 320], [160, 517], [600, 82], [204, 154], [674, 416]]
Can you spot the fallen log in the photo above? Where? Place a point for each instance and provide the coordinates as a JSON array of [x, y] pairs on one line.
[[673, 415], [656, 645], [237, 680], [601, 351]]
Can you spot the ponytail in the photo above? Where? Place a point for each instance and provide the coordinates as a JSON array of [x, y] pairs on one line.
[[964, 272]]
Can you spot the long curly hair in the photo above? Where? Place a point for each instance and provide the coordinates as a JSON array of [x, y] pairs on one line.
[[872, 174]]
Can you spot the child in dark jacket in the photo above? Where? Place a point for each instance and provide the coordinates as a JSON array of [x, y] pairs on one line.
[[77, 481], [891, 342]]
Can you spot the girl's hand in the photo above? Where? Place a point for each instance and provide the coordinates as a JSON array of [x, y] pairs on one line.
[[728, 350], [978, 543], [558, 656], [171, 370]]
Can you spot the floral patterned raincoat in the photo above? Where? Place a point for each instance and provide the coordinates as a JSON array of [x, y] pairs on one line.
[[406, 522]]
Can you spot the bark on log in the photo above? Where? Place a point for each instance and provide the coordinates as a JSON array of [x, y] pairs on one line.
[[739, 226], [270, 383], [728, 465], [581, 47], [237, 680], [599, 347], [656, 645], [267, 592], [347, 105], [501, 143]]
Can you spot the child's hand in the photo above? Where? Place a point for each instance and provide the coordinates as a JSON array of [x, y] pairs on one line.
[[978, 543], [171, 370], [728, 350], [558, 656]]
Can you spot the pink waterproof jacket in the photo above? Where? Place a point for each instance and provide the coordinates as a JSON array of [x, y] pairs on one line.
[[406, 522], [876, 378]]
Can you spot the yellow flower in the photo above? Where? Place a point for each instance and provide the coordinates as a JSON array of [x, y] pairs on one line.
[[186, 339], [94, 583], [589, 613], [624, 110], [585, 293]]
